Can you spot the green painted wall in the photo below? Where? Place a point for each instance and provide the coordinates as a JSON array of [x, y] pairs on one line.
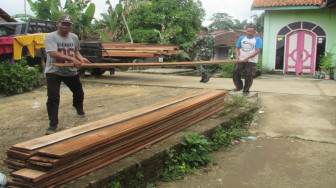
[[276, 19]]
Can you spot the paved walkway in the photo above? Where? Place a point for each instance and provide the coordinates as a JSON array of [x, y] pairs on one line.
[[267, 84], [297, 115]]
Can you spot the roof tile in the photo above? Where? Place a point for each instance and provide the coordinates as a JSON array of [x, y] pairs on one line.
[[280, 3]]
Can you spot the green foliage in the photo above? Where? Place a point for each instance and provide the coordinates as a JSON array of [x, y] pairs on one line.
[[238, 101], [145, 36], [196, 150], [176, 20], [112, 20], [227, 69], [114, 184], [174, 169], [52, 10], [139, 176], [195, 153], [150, 185], [223, 21], [223, 136], [327, 62], [259, 64], [18, 78], [81, 19]]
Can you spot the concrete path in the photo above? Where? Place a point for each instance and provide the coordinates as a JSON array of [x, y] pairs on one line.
[[273, 84], [293, 106], [298, 123]]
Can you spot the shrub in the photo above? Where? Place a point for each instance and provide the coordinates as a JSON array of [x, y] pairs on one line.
[[223, 136], [195, 153], [18, 78], [226, 70], [145, 36]]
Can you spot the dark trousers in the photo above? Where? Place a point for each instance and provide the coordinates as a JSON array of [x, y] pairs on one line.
[[250, 69], [53, 92]]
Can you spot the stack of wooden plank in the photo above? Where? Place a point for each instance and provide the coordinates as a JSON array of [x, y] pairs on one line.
[[138, 50], [58, 158]]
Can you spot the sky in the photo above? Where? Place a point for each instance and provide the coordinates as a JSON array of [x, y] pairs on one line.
[[238, 9]]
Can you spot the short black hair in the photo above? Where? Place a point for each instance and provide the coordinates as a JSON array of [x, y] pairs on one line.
[[251, 26], [204, 29]]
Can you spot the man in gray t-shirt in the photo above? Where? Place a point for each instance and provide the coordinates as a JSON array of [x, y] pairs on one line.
[[63, 47]]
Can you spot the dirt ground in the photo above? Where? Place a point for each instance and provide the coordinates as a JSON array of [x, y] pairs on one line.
[[24, 117]]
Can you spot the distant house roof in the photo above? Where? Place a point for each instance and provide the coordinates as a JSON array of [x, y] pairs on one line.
[[228, 38], [4, 17], [287, 4]]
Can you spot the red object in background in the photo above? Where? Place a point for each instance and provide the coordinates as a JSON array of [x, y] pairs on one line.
[[6, 45]]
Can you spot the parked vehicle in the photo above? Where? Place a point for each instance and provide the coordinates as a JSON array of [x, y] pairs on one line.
[[13, 29], [29, 27]]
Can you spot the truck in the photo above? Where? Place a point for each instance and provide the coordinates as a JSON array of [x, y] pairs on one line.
[[12, 29]]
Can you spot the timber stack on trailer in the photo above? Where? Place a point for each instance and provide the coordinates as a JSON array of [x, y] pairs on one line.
[[58, 158], [102, 52]]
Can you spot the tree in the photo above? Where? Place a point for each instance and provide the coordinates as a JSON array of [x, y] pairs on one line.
[[52, 10], [258, 22], [221, 21], [165, 21], [240, 25]]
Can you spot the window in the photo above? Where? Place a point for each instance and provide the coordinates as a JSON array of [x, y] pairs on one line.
[[295, 25], [281, 38]]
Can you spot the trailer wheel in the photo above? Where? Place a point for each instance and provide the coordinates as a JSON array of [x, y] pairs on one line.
[[97, 72]]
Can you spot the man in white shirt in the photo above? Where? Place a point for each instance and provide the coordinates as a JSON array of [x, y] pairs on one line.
[[248, 48]]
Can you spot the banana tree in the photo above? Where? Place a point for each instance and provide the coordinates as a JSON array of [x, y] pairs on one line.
[[52, 10], [112, 20], [115, 19], [82, 20]]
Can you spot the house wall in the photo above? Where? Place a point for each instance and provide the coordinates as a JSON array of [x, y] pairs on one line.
[[276, 19], [222, 53]]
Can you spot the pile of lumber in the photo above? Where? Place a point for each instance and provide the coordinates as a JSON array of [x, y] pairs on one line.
[[138, 50], [63, 156]]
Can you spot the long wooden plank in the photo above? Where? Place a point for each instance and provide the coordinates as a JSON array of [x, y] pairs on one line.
[[139, 49], [19, 164], [132, 51], [13, 154], [69, 133], [128, 54], [107, 44], [86, 141], [192, 63]]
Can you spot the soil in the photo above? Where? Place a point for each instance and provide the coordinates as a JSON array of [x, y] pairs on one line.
[[24, 116]]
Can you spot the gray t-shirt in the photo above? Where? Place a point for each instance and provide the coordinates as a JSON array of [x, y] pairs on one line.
[[66, 45]]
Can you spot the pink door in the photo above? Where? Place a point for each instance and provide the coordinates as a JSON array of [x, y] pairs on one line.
[[300, 52]]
